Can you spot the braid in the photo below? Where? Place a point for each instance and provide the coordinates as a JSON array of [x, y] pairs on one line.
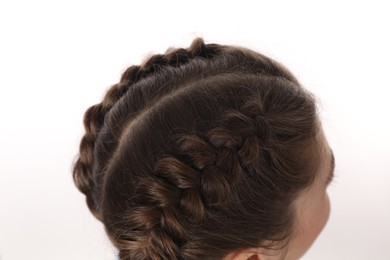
[[188, 188], [94, 117]]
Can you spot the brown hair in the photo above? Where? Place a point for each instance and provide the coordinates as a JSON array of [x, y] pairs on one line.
[[198, 152]]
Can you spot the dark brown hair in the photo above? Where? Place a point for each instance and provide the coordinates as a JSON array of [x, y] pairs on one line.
[[198, 152]]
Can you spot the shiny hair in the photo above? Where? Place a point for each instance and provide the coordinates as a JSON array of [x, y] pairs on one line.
[[198, 152]]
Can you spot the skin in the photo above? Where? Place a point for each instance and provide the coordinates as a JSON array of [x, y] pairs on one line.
[[313, 210]]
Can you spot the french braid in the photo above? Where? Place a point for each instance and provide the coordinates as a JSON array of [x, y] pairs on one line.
[[94, 117], [190, 145], [216, 165]]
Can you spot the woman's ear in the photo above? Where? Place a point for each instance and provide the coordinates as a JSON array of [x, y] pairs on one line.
[[245, 254]]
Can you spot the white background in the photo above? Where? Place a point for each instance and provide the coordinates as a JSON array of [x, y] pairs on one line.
[[58, 57]]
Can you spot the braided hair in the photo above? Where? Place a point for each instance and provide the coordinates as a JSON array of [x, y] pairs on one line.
[[198, 152]]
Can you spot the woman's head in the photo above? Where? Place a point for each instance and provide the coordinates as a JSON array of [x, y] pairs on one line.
[[203, 153]]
